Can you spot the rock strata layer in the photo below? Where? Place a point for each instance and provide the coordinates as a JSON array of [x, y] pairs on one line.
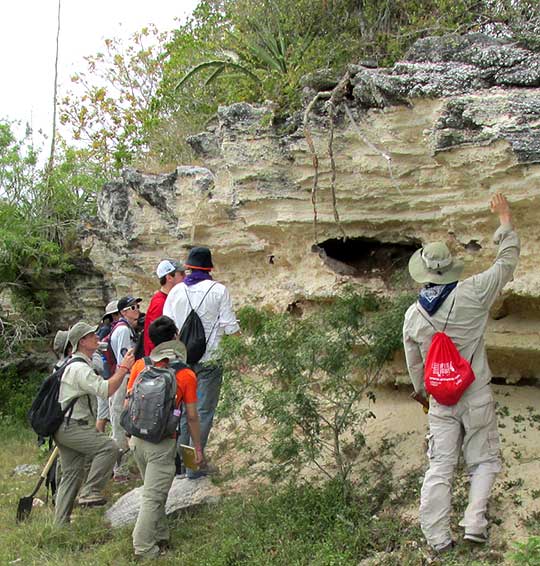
[[418, 151]]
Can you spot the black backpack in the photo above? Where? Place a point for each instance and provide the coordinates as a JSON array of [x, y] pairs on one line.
[[192, 333], [46, 414]]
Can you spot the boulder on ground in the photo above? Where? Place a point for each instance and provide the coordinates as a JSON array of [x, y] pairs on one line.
[[183, 494]]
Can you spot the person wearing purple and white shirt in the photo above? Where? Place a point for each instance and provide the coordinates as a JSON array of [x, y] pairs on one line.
[[212, 302]]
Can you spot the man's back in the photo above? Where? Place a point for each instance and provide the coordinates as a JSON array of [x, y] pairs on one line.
[[469, 304], [211, 301], [154, 311]]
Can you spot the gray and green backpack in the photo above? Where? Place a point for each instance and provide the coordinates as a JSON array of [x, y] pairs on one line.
[[151, 413]]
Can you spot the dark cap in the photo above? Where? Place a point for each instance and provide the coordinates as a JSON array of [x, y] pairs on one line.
[[199, 257], [126, 302]]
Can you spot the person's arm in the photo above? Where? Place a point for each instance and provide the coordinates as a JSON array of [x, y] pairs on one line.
[[122, 370], [415, 365], [195, 430], [413, 356], [490, 283], [227, 318], [186, 382]]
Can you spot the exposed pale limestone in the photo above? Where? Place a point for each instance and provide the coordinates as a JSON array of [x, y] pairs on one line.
[[251, 200], [183, 494]]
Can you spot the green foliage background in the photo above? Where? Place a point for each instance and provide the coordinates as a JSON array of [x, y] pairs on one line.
[[16, 394], [40, 211]]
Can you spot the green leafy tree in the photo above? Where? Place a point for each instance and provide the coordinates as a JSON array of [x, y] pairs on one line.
[[314, 372], [40, 209]]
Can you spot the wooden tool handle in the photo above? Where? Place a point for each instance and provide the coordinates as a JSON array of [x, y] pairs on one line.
[[50, 462]]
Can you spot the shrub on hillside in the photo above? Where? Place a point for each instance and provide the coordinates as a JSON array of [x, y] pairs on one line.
[[313, 371]]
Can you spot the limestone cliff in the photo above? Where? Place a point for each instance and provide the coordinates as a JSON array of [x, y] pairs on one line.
[[427, 141]]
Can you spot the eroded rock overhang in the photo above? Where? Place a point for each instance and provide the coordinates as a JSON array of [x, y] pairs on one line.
[[429, 140]]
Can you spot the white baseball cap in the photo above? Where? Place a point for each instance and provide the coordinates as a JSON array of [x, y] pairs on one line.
[[168, 266]]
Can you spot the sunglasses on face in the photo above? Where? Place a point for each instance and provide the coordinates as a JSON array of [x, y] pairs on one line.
[[132, 308]]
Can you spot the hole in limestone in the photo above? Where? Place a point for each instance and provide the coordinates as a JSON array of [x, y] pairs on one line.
[[472, 246], [361, 257], [295, 309]]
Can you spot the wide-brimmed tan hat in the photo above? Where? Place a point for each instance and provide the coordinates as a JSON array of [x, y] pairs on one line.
[[80, 330], [434, 264], [60, 343], [111, 308], [171, 350]]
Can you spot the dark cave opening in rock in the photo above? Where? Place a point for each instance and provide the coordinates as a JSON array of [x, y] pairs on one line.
[[361, 257]]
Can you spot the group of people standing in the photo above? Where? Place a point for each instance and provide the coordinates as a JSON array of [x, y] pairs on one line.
[[100, 370], [460, 309]]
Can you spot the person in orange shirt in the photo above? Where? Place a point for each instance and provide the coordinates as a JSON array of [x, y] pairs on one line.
[[156, 460]]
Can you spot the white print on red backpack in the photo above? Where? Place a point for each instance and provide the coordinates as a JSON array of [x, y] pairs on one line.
[[443, 371]]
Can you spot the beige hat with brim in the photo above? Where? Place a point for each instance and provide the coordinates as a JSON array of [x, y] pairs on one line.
[[434, 264], [171, 350], [80, 330], [60, 342], [111, 308]]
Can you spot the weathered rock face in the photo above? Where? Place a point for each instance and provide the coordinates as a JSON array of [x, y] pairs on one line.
[[425, 145]]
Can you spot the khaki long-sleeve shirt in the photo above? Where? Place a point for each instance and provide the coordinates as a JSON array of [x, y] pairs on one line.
[[81, 381], [467, 322]]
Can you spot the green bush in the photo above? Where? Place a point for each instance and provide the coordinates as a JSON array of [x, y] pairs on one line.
[[312, 373], [16, 395], [301, 524]]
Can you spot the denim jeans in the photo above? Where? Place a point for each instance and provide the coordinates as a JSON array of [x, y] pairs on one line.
[[209, 379]]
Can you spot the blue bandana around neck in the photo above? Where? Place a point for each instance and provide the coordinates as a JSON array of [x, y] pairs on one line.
[[431, 297], [196, 276]]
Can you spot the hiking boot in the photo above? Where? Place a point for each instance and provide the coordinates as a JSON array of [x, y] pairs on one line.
[[92, 501], [164, 545], [477, 538], [153, 555], [209, 470], [445, 548]]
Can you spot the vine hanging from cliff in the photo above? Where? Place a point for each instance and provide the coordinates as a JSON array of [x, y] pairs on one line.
[[334, 98]]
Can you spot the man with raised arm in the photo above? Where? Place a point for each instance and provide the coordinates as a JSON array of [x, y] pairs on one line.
[[471, 424]]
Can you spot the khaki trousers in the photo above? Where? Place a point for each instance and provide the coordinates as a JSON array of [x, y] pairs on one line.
[[156, 464], [116, 406], [77, 442], [469, 426]]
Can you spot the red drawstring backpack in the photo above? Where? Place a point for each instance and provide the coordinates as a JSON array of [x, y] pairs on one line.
[[447, 374]]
